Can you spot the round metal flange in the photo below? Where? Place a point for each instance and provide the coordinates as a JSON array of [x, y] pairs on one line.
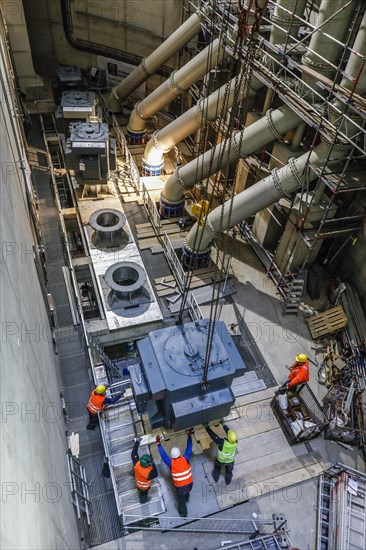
[[91, 131], [108, 223], [125, 279]]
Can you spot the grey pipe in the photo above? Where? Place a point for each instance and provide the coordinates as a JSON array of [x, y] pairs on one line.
[[272, 125], [178, 83], [279, 183], [322, 50], [208, 108], [288, 179], [173, 191], [154, 61]]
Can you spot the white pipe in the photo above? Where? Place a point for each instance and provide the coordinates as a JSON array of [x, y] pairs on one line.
[[282, 16], [178, 83], [155, 60], [208, 108], [272, 125], [279, 183], [289, 178], [323, 50]]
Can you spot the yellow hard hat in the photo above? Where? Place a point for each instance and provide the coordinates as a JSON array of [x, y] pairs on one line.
[[100, 389], [301, 358], [231, 436]]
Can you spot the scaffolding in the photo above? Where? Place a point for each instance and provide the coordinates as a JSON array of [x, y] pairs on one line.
[[327, 110]]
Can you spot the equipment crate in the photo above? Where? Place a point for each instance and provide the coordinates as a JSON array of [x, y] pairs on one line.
[[303, 419]]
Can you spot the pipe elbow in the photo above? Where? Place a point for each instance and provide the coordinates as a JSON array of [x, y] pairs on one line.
[[152, 153], [136, 122]]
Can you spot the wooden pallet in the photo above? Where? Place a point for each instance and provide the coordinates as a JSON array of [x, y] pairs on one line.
[[328, 322]]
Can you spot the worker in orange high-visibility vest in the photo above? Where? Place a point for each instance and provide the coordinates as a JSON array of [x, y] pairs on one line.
[[181, 472], [98, 401], [144, 471], [299, 373]]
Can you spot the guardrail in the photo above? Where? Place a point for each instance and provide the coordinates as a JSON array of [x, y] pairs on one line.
[[174, 262], [151, 209]]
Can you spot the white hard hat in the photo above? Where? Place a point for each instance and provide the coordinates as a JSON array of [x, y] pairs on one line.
[[175, 452]]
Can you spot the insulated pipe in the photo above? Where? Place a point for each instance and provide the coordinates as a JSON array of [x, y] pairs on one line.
[[272, 125], [323, 50], [154, 61], [207, 108], [173, 87]]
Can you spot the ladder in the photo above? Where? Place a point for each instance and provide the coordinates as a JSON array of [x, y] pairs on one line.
[[110, 365], [79, 487], [293, 295]]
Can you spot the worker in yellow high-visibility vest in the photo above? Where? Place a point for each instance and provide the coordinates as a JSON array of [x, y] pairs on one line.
[[226, 448]]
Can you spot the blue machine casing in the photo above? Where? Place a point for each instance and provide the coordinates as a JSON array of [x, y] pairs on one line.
[[169, 387]]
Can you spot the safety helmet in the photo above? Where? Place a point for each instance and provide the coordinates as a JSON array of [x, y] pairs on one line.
[[175, 452], [231, 436], [301, 358], [100, 389], [145, 461]]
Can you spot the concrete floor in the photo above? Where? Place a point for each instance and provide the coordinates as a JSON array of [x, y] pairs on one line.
[[280, 339]]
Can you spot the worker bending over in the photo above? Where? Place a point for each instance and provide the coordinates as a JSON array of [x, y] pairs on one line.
[[299, 371], [226, 448], [144, 470], [181, 472], [98, 402]]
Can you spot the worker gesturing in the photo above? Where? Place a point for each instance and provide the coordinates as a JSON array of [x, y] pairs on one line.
[[181, 472], [144, 471], [226, 448], [98, 402]]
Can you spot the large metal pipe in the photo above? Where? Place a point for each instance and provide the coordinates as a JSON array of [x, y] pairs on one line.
[[171, 199], [272, 125], [154, 61], [207, 108], [173, 87], [333, 23], [288, 179]]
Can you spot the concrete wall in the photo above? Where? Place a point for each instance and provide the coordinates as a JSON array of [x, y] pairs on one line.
[[36, 512], [136, 26]]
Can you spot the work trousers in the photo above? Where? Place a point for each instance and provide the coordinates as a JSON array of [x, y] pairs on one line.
[[143, 496], [229, 467], [93, 421], [182, 494]]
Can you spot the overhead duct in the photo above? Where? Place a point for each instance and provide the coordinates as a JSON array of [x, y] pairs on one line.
[[285, 181], [178, 82], [154, 61], [272, 125]]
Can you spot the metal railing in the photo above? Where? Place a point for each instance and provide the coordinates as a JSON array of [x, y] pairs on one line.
[[250, 527], [151, 210], [194, 309], [174, 262]]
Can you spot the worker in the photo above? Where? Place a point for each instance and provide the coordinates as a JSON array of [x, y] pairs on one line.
[[98, 402], [299, 371], [181, 472], [144, 470], [226, 448]]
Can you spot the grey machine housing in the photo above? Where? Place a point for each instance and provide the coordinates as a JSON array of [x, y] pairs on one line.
[[91, 152], [167, 384]]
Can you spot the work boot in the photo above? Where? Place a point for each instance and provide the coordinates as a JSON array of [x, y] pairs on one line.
[[216, 475], [227, 480], [182, 509], [90, 427]]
